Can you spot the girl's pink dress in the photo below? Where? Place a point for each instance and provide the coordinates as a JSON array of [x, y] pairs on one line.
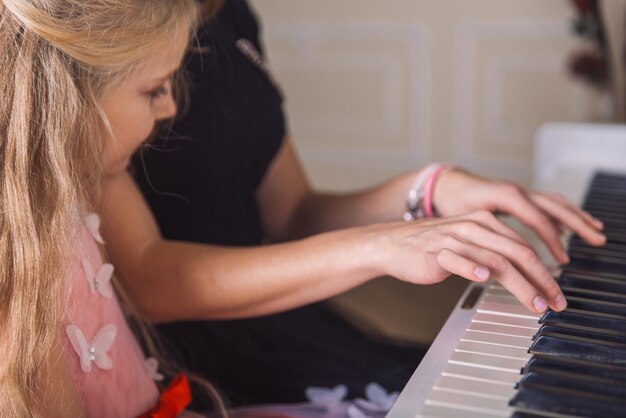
[[109, 370], [108, 367]]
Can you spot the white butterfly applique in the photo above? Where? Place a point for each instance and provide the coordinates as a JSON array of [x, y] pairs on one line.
[[328, 398], [99, 281], [152, 368], [92, 222], [378, 399], [97, 350]]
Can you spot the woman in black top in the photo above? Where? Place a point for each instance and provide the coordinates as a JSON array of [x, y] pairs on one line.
[[225, 177]]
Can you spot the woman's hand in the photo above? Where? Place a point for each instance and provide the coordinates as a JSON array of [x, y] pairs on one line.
[[477, 246], [457, 192]]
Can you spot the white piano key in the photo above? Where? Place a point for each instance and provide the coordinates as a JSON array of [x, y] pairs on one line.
[[501, 329], [489, 318], [469, 403], [499, 291], [479, 374], [505, 309], [436, 411], [506, 300], [495, 339], [487, 362], [484, 389], [493, 350]]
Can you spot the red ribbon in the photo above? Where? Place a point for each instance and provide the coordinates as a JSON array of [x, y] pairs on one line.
[[173, 400]]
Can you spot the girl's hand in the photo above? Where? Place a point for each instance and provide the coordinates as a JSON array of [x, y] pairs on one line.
[[457, 192], [477, 246]]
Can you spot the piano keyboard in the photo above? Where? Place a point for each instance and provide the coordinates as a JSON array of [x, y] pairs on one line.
[[494, 358]]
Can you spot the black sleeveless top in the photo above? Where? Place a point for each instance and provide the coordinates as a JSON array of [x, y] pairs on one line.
[[200, 181], [200, 178]]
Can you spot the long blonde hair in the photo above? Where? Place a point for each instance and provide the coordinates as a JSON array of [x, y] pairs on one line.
[[57, 58]]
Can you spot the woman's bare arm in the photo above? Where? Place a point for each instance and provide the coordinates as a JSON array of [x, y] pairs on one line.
[[292, 209]]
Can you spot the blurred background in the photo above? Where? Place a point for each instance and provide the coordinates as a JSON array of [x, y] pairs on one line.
[[376, 88]]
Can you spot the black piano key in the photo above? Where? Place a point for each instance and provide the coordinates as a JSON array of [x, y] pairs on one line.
[[606, 195], [585, 250], [590, 305], [615, 237], [593, 294], [576, 369], [576, 242], [569, 269], [613, 391], [598, 256], [614, 189], [579, 348], [590, 282], [591, 265], [519, 414], [577, 332], [607, 209], [564, 402], [602, 258], [591, 321], [608, 212]]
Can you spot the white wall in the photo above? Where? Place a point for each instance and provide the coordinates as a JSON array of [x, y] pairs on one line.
[[378, 87]]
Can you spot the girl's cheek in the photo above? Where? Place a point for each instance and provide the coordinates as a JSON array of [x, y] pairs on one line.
[[143, 131]]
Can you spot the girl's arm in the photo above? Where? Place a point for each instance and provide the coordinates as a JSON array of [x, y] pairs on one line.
[[171, 280], [292, 209]]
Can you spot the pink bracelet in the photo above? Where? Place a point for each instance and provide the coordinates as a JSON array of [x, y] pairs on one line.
[[415, 195], [429, 189]]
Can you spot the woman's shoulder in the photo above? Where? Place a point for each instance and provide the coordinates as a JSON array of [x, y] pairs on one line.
[[235, 17]]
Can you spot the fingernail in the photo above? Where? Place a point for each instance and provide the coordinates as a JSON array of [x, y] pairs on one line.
[[540, 304], [482, 273], [598, 223], [560, 302]]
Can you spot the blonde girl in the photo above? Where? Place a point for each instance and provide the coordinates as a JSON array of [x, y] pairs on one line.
[[83, 83]]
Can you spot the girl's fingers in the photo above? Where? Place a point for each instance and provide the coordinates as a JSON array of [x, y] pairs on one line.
[[502, 270], [462, 266], [487, 220], [523, 259]]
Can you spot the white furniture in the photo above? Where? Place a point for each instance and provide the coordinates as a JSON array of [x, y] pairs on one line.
[[567, 153]]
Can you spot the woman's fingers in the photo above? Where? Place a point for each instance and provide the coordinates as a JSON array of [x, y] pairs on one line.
[[597, 223], [517, 204], [574, 218], [490, 220]]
